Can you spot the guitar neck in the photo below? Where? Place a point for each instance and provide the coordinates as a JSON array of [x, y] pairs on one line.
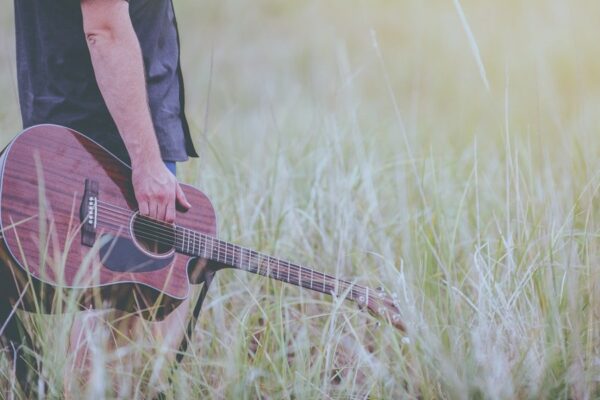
[[234, 256]]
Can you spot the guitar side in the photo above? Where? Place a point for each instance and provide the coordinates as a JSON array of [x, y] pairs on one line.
[[43, 176]]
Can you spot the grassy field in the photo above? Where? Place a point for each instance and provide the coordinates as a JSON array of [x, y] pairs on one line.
[[446, 150]]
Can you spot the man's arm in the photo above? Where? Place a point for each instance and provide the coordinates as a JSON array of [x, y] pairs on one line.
[[119, 69]]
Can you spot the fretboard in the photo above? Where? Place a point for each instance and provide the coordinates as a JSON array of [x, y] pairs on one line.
[[208, 247]]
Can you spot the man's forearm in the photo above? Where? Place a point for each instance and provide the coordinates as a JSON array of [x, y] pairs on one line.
[[119, 70]]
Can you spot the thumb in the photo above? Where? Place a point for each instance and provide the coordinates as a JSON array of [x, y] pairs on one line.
[[181, 199]]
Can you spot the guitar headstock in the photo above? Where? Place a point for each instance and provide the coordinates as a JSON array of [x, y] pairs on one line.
[[382, 305]]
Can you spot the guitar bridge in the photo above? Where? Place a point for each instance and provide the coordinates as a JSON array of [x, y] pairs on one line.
[[88, 212]]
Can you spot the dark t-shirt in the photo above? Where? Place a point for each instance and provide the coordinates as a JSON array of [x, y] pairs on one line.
[[57, 83]]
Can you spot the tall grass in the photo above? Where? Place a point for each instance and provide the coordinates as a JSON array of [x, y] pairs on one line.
[[360, 138]]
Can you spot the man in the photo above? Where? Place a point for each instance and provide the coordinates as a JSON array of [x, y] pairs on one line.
[[110, 69]]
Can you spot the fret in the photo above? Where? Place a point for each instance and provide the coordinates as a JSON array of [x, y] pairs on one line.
[[183, 240], [274, 266], [218, 252], [268, 266], [288, 270], [234, 251], [312, 273], [250, 260], [228, 254], [193, 242], [188, 241], [259, 265], [300, 276], [255, 262], [268, 262], [203, 245], [242, 258], [236, 257], [232, 255]]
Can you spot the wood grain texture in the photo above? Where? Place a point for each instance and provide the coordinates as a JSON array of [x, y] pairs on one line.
[[43, 175]]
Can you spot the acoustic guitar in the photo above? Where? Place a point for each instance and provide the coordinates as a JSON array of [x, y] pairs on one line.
[[70, 222]]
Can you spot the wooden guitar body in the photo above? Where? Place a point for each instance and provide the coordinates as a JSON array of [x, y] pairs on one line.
[[70, 228], [43, 217]]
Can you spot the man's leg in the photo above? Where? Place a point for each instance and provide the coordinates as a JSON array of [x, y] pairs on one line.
[[122, 345]]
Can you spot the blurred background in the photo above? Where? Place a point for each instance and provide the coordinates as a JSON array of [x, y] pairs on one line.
[[295, 60], [446, 148]]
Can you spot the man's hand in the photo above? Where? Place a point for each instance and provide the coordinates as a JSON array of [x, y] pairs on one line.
[[157, 191]]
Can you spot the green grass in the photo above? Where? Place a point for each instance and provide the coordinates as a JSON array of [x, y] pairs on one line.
[[360, 137]]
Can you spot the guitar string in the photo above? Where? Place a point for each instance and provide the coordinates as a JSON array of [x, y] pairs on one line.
[[295, 271], [144, 220], [157, 226], [157, 232], [326, 284], [328, 280], [225, 246], [356, 290]]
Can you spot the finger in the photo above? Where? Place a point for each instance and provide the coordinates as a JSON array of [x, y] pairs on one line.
[[143, 207], [162, 211], [153, 209], [181, 199], [170, 212]]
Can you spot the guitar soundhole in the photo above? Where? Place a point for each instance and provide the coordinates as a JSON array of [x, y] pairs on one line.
[[155, 237]]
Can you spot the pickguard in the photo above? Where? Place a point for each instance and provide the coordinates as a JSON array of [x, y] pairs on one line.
[[120, 254]]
